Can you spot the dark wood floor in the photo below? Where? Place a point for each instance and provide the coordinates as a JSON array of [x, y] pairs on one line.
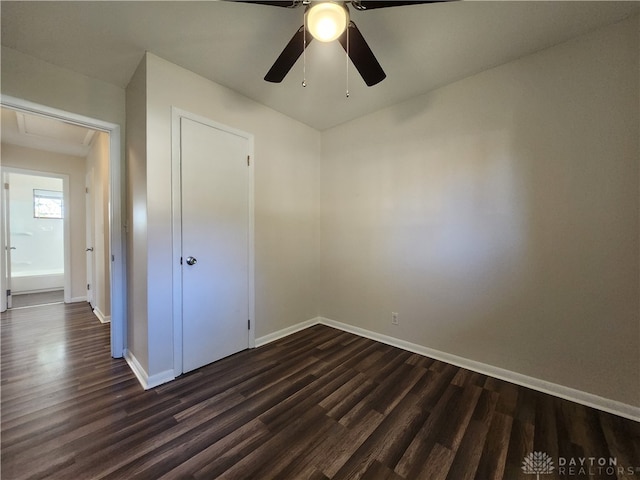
[[318, 404], [20, 300]]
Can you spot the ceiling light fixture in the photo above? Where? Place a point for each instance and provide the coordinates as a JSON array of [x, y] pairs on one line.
[[326, 21]]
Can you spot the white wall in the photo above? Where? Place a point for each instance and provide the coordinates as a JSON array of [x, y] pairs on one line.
[[136, 147], [74, 167], [98, 163], [286, 196], [32, 79], [499, 217]]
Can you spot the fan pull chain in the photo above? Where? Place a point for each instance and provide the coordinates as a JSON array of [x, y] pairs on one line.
[[347, 61], [304, 52]]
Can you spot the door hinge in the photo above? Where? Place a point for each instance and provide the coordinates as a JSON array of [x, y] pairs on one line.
[[6, 186], [88, 287], [249, 324], [180, 260], [113, 258], [248, 160], [86, 190], [8, 293]]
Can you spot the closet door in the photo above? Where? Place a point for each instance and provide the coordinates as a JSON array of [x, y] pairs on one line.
[[215, 243]]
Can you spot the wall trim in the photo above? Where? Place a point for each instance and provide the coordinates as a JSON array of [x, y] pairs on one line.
[[78, 299], [145, 380], [272, 337], [578, 396], [101, 316]]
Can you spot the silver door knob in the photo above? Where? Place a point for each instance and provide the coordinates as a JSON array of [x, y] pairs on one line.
[[191, 261]]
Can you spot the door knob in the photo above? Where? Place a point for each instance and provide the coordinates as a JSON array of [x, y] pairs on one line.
[[90, 249], [191, 261]]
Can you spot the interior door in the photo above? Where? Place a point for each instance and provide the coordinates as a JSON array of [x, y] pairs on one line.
[[89, 237], [5, 237], [215, 243]]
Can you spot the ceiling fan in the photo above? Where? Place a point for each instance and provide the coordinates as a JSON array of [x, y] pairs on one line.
[[326, 21]]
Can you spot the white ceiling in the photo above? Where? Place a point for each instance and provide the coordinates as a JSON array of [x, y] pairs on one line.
[[43, 133], [421, 47]]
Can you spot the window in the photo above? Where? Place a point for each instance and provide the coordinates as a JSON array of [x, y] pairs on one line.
[[47, 204]]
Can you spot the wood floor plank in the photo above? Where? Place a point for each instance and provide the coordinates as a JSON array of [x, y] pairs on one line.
[[465, 463], [40, 298], [437, 464], [417, 453], [251, 432], [459, 415], [338, 452], [467, 458], [623, 441], [319, 404], [494, 454], [545, 437], [380, 441], [378, 471]]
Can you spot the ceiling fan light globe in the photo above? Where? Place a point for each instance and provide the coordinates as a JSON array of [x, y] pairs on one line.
[[326, 21]]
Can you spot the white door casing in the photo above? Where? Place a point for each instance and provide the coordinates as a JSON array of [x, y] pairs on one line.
[[213, 224]]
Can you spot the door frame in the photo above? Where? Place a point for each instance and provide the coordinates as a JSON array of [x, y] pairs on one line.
[[177, 115], [66, 221], [118, 324], [89, 236], [5, 257]]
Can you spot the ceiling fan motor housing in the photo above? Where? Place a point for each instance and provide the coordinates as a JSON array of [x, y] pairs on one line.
[[326, 20]]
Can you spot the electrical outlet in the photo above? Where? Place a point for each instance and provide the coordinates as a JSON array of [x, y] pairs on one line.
[[394, 318]]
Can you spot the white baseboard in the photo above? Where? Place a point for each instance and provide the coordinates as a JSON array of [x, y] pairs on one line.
[[272, 337], [78, 299], [101, 316], [577, 396], [145, 380]]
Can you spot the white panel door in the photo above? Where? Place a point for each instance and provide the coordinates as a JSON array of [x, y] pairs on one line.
[[215, 243], [91, 283], [5, 244]]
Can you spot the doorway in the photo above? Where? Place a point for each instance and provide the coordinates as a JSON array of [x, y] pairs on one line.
[[115, 262], [39, 264], [37, 229], [213, 241]]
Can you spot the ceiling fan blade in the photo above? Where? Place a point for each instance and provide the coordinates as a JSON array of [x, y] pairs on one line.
[[273, 3], [288, 57], [371, 4], [361, 55]]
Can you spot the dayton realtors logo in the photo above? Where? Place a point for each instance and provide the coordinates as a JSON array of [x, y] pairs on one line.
[[539, 463]]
